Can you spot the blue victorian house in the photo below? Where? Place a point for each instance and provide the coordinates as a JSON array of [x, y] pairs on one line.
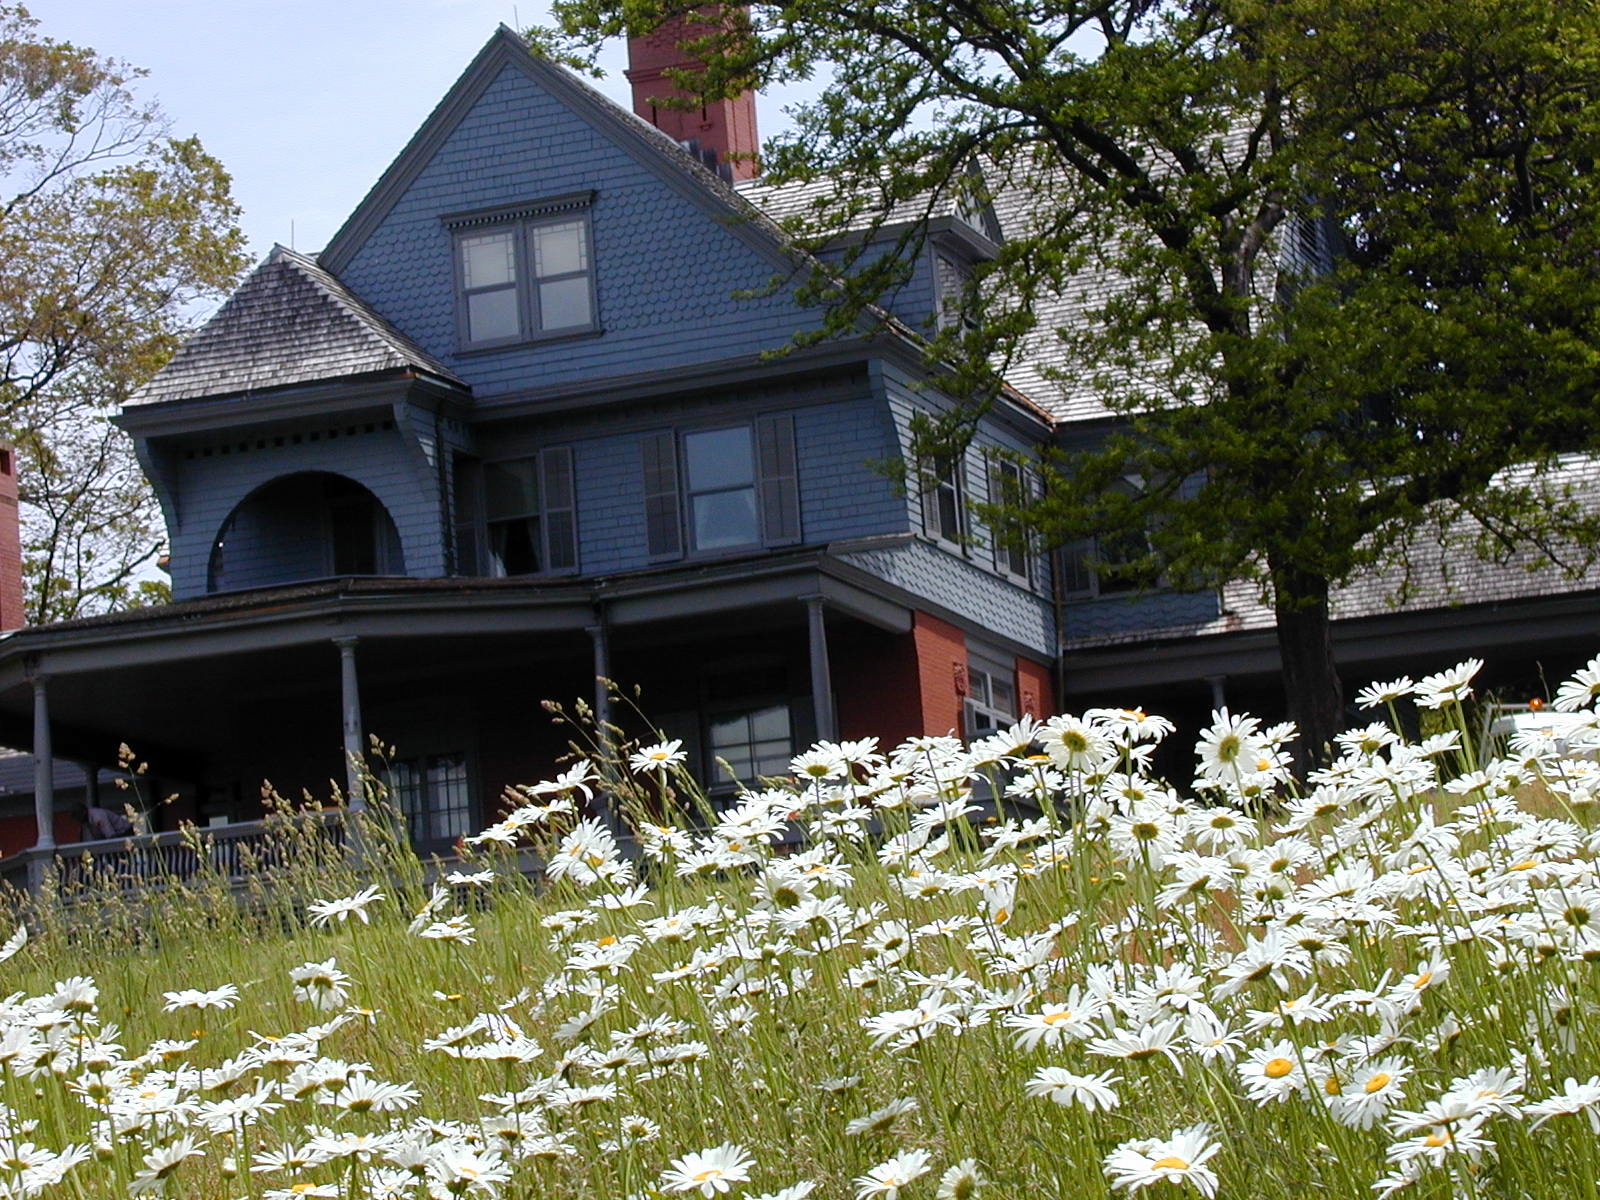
[[520, 425]]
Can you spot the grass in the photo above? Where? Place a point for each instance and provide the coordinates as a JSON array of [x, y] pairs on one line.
[[1317, 980]]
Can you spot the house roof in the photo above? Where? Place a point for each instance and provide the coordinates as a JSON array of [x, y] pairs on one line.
[[1438, 569], [291, 322]]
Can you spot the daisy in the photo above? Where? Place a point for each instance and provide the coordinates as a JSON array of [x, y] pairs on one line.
[[221, 997], [658, 759], [1063, 1087], [1574, 1098], [960, 1182], [1181, 1158], [1072, 1021], [1376, 695], [1579, 691], [1272, 1072], [709, 1171], [887, 1178], [880, 1119], [1446, 687], [325, 912]]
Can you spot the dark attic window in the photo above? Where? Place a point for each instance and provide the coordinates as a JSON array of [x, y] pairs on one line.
[[524, 273]]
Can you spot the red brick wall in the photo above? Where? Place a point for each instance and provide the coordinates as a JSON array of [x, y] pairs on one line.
[[1035, 689], [942, 673], [11, 610]]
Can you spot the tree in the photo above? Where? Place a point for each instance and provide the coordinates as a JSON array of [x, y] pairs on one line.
[[1427, 350], [112, 236]]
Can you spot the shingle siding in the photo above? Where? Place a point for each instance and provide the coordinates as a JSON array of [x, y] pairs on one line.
[[213, 485], [666, 274], [948, 582]]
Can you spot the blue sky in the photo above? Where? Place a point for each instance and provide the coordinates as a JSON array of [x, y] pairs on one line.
[[305, 101]]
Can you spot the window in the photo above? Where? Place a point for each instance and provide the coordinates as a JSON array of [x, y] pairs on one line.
[[530, 514], [1100, 565], [1008, 485], [524, 273], [722, 488], [991, 692], [754, 743], [952, 279], [432, 797], [719, 488], [943, 498]]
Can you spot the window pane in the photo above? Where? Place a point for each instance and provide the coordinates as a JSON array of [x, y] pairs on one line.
[[768, 724], [564, 304], [492, 316], [949, 512], [510, 489], [559, 249], [725, 519], [514, 547], [719, 458], [488, 259]]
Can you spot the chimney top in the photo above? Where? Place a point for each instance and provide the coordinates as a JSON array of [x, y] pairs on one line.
[[721, 132]]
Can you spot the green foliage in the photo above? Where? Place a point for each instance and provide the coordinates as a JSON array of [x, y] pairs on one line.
[[1351, 273], [111, 234]]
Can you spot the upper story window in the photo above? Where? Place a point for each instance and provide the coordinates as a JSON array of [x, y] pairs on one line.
[[1008, 485], [526, 509], [1106, 564], [524, 272], [944, 504], [721, 488]]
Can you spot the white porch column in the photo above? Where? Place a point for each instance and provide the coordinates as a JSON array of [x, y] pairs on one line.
[[821, 677], [354, 739], [44, 775]]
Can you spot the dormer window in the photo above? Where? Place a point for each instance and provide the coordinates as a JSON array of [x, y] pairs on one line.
[[524, 273]]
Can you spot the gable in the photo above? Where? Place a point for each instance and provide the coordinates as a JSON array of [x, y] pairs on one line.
[[669, 253]]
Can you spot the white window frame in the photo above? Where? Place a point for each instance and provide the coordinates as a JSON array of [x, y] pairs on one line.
[[988, 672]]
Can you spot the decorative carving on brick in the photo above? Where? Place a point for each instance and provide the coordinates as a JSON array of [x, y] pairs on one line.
[[959, 670], [1030, 703]]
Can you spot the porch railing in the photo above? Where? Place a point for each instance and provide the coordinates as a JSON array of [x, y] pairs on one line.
[[131, 863]]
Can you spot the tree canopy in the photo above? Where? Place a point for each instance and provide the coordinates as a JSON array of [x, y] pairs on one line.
[[1350, 250], [112, 233]]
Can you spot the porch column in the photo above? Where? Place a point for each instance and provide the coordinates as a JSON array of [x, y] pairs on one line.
[[605, 748], [91, 784], [1219, 691], [821, 679], [44, 775], [602, 692], [350, 703]]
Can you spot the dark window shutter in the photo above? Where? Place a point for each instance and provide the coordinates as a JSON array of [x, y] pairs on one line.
[[663, 527], [560, 508], [780, 484]]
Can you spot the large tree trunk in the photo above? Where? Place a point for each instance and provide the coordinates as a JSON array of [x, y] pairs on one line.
[[1305, 645]]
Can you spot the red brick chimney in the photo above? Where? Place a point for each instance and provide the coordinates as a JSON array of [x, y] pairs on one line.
[[723, 132], [12, 614]]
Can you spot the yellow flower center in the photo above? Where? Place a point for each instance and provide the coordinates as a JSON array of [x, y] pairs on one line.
[[608, 940], [1056, 1018], [1524, 865], [1378, 1082], [1435, 1140], [1333, 1087], [708, 1173], [1278, 1068], [1422, 980], [1171, 1163]]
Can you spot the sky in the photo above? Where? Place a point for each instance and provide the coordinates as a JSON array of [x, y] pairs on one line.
[[304, 101]]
